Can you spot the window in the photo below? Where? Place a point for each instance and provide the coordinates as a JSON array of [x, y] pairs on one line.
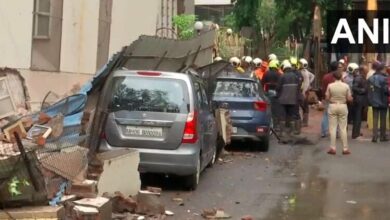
[[42, 19], [7, 105], [236, 88], [149, 95]]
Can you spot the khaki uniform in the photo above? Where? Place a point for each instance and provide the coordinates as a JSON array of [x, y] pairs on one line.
[[338, 111]]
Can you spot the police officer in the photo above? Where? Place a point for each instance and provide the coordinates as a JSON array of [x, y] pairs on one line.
[[288, 91]]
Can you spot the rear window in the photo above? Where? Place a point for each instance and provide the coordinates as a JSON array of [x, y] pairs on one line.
[[149, 94], [236, 88]]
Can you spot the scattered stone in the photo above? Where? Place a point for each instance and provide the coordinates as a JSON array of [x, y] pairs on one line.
[[96, 208], [149, 203], [215, 214], [352, 202], [85, 189], [121, 204], [247, 217], [178, 201], [169, 213], [154, 189]]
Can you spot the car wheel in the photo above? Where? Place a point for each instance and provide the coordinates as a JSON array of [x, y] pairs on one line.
[[192, 181], [265, 144], [214, 158]]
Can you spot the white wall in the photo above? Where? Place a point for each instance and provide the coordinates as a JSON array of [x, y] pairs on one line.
[[16, 33], [130, 20], [79, 36], [213, 2]]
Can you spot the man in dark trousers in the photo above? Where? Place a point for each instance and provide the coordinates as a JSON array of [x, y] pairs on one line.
[[288, 96], [270, 81], [378, 92], [360, 99]]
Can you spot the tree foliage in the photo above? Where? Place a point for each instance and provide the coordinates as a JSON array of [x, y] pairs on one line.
[[185, 25], [280, 18]]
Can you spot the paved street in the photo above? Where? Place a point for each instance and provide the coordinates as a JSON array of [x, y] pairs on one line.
[[291, 182]]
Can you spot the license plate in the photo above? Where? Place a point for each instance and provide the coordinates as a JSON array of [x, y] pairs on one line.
[[144, 131], [234, 130]]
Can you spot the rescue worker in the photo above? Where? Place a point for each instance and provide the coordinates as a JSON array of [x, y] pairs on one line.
[[298, 123], [236, 63], [246, 64], [308, 78], [348, 79], [217, 59], [288, 94], [257, 68], [270, 83], [272, 57], [360, 100], [378, 92]]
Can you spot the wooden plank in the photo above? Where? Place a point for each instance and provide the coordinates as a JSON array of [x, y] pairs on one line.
[[38, 212]]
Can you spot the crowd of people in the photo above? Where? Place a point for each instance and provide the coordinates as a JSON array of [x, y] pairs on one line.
[[348, 90], [286, 84]]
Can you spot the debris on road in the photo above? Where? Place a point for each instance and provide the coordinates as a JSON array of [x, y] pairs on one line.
[[178, 201], [215, 214], [247, 217], [352, 202], [169, 213]]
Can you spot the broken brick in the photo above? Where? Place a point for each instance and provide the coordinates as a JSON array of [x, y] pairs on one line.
[[149, 203], [121, 204], [154, 189], [43, 118], [96, 208], [247, 217], [86, 189]]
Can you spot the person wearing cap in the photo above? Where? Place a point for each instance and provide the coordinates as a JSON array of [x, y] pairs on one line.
[[298, 123], [270, 82], [247, 64], [360, 100], [257, 68], [288, 90], [236, 63], [378, 92], [352, 68], [338, 94], [308, 78], [217, 59]]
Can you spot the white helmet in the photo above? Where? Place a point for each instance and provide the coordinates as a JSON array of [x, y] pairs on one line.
[[217, 59], [235, 61], [257, 62], [272, 57], [229, 31], [286, 64], [342, 61], [352, 67], [304, 63], [248, 59]]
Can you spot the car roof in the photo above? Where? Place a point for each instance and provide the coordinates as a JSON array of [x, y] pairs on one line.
[[236, 77], [166, 74]]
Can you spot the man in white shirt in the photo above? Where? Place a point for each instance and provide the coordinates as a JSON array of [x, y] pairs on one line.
[[308, 78]]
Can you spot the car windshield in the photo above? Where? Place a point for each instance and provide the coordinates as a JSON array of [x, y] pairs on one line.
[[149, 94], [236, 88]]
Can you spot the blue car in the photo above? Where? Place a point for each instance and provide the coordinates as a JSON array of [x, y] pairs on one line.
[[250, 109]]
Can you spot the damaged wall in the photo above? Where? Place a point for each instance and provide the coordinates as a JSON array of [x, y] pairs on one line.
[[17, 84]]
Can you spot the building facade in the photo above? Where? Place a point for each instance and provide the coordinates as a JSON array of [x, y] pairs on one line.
[[56, 44]]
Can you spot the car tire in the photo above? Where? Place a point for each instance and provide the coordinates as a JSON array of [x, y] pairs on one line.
[[214, 158], [192, 181], [265, 144]]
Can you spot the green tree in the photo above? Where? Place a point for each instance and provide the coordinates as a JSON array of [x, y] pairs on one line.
[[185, 25]]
